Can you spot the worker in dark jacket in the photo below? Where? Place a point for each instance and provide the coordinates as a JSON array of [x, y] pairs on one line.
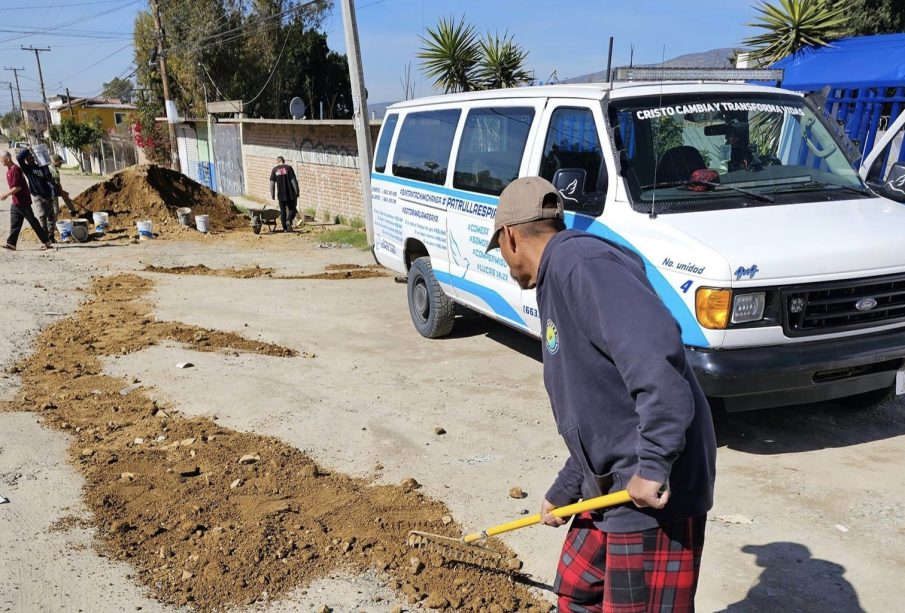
[[43, 191], [627, 404], [20, 211], [284, 187]]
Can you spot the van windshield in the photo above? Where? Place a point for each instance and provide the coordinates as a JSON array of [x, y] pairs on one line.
[[702, 152]]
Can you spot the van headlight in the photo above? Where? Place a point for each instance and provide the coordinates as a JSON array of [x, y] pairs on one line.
[[712, 307], [748, 307]]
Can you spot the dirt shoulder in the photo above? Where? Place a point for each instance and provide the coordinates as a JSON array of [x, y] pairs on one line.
[[809, 511]]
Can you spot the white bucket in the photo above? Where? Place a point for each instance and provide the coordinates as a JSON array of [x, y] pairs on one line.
[[64, 227], [144, 229], [201, 222], [41, 154], [100, 222], [184, 214]]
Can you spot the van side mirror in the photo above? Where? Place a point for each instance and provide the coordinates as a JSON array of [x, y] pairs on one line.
[[894, 188], [569, 182]]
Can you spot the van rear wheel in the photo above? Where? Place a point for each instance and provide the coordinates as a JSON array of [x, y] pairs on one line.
[[433, 313]]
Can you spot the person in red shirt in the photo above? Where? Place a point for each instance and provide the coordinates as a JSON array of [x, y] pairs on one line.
[[20, 211]]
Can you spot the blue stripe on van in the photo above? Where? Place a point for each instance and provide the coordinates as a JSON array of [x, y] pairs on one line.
[[691, 330], [496, 302]]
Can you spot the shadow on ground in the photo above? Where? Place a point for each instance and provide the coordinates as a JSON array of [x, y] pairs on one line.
[[470, 324], [792, 580], [807, 427]]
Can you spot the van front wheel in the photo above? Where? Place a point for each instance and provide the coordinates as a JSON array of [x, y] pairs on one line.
[[433, 313]]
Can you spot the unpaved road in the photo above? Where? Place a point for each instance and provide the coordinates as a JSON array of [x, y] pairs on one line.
[[810, 509]]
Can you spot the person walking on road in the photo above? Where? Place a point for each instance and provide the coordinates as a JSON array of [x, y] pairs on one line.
[[625, 400], [284, 188], [43, 192], [20, 211]]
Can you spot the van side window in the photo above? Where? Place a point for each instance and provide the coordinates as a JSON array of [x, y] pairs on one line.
[[573, 160], [383, 146], [424, 145], [491, 149]]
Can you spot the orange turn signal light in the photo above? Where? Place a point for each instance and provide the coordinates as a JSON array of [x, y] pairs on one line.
[[712, 307]]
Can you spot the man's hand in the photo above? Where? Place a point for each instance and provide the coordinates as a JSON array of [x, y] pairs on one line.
[[4, 196], [548, 519], [646, 493]]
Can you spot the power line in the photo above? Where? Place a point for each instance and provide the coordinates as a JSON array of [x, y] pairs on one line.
[[240, 31], [37, 7], [100, 61], [73, 22]]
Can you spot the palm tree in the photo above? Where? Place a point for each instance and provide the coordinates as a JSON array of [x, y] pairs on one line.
[[503, 62], [792, 25], [450, 55]]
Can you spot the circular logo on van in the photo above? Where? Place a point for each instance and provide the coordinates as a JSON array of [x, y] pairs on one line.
[[551, 338], [866, 304]]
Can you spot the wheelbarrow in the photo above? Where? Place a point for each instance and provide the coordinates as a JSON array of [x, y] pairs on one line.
[[264, 217]]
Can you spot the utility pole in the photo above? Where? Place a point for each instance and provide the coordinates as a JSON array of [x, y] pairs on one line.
[[162, 62], [69, 104], [38, 51], [15, 72], [12, 99], [360, 113]]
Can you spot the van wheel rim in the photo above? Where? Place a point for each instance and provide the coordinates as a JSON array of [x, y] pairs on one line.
[[420, 300]]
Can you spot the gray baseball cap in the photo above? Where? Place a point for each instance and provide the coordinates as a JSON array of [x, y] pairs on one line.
[[523, 201]]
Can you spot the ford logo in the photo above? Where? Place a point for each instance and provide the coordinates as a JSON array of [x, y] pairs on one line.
[[865, 304]]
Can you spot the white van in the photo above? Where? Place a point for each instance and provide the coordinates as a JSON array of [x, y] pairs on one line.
[[784, 270]]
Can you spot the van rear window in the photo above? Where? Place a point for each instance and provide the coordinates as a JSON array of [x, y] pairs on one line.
[[424, 145], [383, 146], [491, 150]]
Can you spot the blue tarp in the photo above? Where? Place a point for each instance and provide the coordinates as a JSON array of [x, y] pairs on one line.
[[848, 63]]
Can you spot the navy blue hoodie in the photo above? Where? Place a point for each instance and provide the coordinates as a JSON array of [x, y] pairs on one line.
[[624, 398]]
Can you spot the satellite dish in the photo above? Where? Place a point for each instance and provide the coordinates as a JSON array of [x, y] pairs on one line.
[[297, 108]]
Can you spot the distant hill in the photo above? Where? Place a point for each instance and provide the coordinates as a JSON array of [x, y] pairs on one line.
[[379, 109], [715, 58]]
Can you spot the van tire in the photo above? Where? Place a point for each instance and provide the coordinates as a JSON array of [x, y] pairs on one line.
[[433, 313]]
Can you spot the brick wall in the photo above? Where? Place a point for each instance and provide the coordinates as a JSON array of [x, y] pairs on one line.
[[325, 158]]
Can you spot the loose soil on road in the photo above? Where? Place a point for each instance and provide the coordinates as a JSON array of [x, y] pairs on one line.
[[211, 517], [334, 272]]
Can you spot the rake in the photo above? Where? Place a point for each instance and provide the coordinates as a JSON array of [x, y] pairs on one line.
[[466, 549]]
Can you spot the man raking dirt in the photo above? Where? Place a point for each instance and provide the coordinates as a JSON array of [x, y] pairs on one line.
[[627, 404]]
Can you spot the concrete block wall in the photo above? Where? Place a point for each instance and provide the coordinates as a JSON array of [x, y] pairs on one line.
[[325, 158]]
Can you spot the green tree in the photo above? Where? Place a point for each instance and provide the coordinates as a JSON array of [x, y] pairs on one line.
[[76, 135], [263, 52], [874, 16], [118, 88], [11, 122], [791, 25], [450, 55], [151, 136], [459, 61], [502, 63]]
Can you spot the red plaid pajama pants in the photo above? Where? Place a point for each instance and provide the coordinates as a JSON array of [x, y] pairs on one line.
[[653, 571]]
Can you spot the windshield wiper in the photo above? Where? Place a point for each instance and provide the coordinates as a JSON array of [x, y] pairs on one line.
[[747, 192], [791, 187]]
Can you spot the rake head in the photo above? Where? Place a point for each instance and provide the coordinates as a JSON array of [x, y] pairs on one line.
[[456, 550]]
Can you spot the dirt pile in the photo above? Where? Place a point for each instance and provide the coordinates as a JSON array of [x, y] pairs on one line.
[[210, 517], [333, 272], [204, 271], [152, 192]]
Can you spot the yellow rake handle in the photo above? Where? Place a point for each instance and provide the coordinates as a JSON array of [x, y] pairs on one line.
[[601, 502]]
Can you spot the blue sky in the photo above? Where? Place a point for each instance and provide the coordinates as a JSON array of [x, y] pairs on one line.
[[569, 36]]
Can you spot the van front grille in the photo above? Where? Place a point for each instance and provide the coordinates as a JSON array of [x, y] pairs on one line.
[[821, 308]]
